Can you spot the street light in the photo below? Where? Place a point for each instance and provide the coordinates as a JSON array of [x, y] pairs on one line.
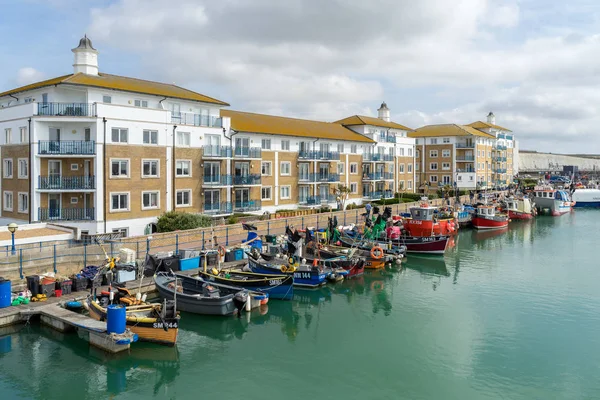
[[12, 227]]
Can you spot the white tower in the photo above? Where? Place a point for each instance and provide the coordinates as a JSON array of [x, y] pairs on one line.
[[491, 118], [86, 57], [384, 112]]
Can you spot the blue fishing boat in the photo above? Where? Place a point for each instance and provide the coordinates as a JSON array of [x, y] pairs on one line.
[[304, 275]]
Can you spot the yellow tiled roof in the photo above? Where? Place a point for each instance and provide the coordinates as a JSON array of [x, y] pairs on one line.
[[363, 120], [270, 124], [116, 82], [484, 125], [448, 130]]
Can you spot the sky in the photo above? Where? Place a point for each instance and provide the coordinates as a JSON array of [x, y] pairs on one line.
[[534, 63]]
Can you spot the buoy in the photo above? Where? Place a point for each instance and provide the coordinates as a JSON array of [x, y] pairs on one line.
[[111, 295], [138, 296], [144, 296], [248, 304]]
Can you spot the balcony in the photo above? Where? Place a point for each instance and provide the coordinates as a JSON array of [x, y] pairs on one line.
[[215, 151], [66, 214], [500, 170], [247, 180], [465, 145], [318, 177], [247, 152], [218, 208], [196, 120], [385, 194], [500, 159], [67, 109], [465, 158], [319, 155], [245, 206], [66, 147], [378, 176], [472, 170], [217, 180], [499, 147], [67, 182], [378, 157], [316, 200], [509, 137], [390, 139]]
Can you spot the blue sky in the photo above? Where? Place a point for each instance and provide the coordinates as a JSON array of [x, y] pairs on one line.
[[532, 62]]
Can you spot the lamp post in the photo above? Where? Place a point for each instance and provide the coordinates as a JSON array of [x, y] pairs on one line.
[[12, 227]]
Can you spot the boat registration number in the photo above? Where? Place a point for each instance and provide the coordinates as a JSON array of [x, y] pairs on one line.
[[275, 282], [160, 325], [413, 222], [302, 275]]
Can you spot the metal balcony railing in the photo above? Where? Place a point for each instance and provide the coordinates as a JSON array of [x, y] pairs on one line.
[[67, 109], [253, 179], [247, 152], [390, 139], [378, 157], [316, 200], [385, 194], [243, 206], [217, 180], [216, 151], [67, 182], [218, 208], [66, 214], [378, 176], [196, 120], [466, 170], [67, 147], [465, 145], [465, 158], [318, 177], [319, 155]]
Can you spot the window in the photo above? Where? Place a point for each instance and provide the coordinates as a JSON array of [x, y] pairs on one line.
[[23, 134], [8, 168], [150, 200], [340, 147], [354, 188], [28, 100], [266, 193], [284, 192], [410, 152], [446, 166], [340, 168], [409, 168], [119, 135], [446, 140], [285, 145], [74, 200], [7, 136], [106, 99], [353, 149], [417, 154], [401, 185], [433, 166], [183, 139], [401, 151], [409, 184], [446, 153], [266, 168], [119, 202], [150, 168], [401, 168], [183, 168], [353, 168], [150, 137], [8, 201], [183, 198], [23, 202], [446, 180], [489, 154], [141, 103], [23, 168], [123, 232], [119, 168], [471, 177], [286, 167], [433, 178], [459, 178], [417, 167], [433, 153], [432, 141], [266, 144]]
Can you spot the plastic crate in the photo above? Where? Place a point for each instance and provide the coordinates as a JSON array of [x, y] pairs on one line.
[[80, 284], [65, 286], [48, 289]]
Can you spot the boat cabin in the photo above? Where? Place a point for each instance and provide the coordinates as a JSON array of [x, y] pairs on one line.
[[486, 211], [551, 194], [422, 213]]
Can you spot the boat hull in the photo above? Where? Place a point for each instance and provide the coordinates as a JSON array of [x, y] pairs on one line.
[[313, 278], [519, 215], [148, 329], [586, 198], [414, 244], [278, 287], [489, 224]]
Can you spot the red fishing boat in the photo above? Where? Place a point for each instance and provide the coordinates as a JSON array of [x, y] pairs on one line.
[[486, 218], [520, 208], [423, 221]]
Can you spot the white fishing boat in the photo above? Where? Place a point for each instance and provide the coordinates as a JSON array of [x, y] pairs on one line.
[[556, 201]]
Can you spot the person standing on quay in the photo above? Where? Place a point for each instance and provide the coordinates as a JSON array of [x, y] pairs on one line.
[[368, 210]]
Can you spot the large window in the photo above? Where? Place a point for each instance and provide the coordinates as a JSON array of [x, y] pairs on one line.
[[266, 168], [119, 201], [286, 168], [150, 200], [150, 137], [23, 168], [183, 168], [266, 193], [119, 168], [150, 168], [184, 198], [7, 170], [23, 199], [120, 135], [285, 192], [183, 139], [8, 201]]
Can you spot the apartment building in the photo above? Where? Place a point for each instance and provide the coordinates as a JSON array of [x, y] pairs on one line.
[[106, 153]]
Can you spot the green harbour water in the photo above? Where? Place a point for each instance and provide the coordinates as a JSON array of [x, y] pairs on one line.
[[505, 315]]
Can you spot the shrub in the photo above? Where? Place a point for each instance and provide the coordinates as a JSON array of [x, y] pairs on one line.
[[181, 221], [232, 220]]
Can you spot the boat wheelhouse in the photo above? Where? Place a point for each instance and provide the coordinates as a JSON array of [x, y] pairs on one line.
[[557, 202], [486, 218]]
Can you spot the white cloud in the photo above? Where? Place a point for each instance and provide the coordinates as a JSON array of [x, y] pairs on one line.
[[27, 75]]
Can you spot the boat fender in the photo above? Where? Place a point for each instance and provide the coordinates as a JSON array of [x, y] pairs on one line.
[[214, 271], [377, 252], [283, 268], [291, 261], [315, 262]]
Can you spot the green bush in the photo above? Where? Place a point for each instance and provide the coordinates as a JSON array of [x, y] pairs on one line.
[[232, 220], [181, 221]]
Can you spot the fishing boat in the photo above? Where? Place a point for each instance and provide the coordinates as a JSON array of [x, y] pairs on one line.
[[486, 218], [520, 208], [414, 244], [305, 275], [584, 197], [152, 322], [556, 201], [426, 221], [195, 295], [277, 286], [347, 260]]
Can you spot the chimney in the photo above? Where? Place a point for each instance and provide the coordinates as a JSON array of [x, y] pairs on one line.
[[384, 112], [86, 57], [491, 118]]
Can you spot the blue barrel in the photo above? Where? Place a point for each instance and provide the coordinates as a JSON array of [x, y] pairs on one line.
[[256, 243], [5, 288], [115, 319]]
